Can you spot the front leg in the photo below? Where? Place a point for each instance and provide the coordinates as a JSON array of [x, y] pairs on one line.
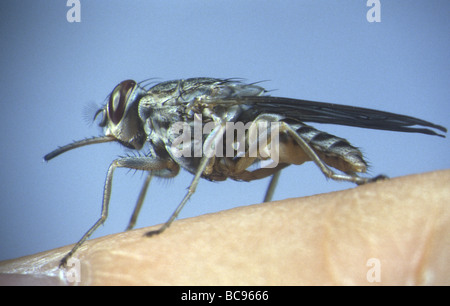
[[160, 167], [209, 152]]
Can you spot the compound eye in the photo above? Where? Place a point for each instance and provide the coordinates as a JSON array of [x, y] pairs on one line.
[[118, 100]]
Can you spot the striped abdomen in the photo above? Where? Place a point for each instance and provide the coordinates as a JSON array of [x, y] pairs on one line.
[[334, 151]]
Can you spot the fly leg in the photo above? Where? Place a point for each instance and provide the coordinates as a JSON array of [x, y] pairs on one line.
[[310, 153], [139, 202], [141, 198], [322, 165], [208, 154], [272, 185], [258, 140], [138, 163]]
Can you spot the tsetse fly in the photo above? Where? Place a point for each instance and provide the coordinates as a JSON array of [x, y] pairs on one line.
[[161, 119]]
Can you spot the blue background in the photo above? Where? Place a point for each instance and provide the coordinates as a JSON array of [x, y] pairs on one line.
[[54, 72]]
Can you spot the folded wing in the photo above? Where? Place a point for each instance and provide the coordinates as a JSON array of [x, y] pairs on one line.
[[320, 112]]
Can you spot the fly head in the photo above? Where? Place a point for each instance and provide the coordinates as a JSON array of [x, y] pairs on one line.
[[120, 118]]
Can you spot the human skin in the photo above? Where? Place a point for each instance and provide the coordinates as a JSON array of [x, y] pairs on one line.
[[391, 232]]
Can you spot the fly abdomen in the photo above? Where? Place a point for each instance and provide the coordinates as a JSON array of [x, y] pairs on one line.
[[335, 151]]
